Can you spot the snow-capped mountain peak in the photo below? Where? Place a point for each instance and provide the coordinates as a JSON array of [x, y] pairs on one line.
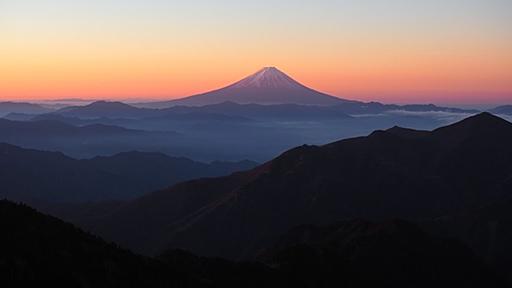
[[268, 86], [268, 77]]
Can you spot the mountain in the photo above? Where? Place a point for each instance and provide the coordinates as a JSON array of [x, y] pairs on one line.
[[296, 112], [105, 109], [40, 177], [358, 253], [397, 173], [283, 112], [39, 250], [157, 170], [232, 131], [270, 86], [17, 129], [485, 230], [267, 86], [23, 108], [352, 254], [82, 141], [502, 110]]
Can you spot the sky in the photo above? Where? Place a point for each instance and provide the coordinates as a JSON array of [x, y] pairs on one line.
[[401, 51]]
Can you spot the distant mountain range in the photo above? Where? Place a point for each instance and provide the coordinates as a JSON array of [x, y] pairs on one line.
[[20, 107], [398, 173], [105, 109], [270, 86], [267, 87], [220, 128], [84, 141], [15, 129], [226, 131], [291, 111], [40, 177]]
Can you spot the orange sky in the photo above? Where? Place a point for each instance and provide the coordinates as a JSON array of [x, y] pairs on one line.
[[434, 57]]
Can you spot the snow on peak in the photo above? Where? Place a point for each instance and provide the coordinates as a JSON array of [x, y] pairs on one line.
[[268, 77]]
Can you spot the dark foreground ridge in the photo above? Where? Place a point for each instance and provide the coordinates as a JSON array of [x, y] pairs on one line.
[[39, 250]]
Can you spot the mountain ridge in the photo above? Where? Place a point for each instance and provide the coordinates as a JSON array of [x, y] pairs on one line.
[[104, 109], [57, 178], [40, 250], [369, 177]]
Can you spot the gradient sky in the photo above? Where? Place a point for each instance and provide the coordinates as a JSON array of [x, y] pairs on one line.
[[450, 51]]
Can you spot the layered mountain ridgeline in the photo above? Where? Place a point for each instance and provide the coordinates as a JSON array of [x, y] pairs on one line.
[[105, 109], [50, 177], [225, 131], [108, 112], [264, 89], [208, 138], [20, 129], [257, 118], [82, 141], [415, 175], [22, 107], [44, 251], [502, 110]]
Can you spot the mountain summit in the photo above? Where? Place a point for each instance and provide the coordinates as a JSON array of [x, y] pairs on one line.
[[267, 86], [269, 77]]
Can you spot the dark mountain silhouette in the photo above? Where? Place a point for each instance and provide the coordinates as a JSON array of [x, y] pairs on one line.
[[395, 173], [61, 118], [49, 177], [157, 170], [487, 230], [223, 112], [108, 112], [21, 107], [39, 250], [305, 112], [20, 116], [51, 128], [105, 109], [266, 112], [503, 110], [359, 253]]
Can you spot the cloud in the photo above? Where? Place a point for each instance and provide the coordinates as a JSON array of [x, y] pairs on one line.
[[444, 116]]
